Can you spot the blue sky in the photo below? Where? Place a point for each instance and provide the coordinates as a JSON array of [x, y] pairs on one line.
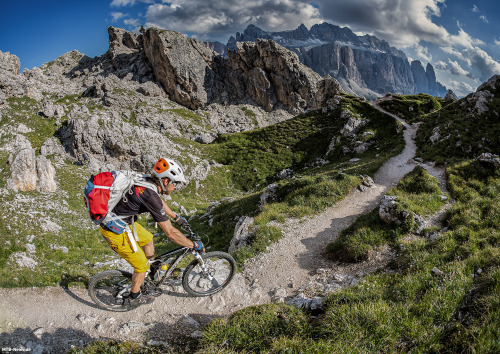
[[460, 38]]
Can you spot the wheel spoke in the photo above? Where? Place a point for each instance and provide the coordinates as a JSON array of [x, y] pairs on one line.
[[219, 270]]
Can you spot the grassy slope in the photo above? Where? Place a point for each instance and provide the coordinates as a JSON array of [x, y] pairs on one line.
[[408, 308], [464, 134], [413, 108]]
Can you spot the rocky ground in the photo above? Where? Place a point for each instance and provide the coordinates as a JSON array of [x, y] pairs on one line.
[[293, 270]]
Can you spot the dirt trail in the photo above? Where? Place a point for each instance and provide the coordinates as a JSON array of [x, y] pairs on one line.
[[53, 319]]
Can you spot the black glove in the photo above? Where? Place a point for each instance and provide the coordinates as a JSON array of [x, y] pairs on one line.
[[181, 221], [198, 246]]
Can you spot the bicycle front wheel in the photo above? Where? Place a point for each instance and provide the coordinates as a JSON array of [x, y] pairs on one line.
[[218, 270], [108, 289]]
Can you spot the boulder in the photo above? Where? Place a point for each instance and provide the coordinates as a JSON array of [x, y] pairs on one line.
[[52, 146], [47, 109], [390, 211], [46, 175], [23, 171], [241, 233], [268, 195]]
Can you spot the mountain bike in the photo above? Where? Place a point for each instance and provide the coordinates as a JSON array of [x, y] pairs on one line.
[[206, 275]]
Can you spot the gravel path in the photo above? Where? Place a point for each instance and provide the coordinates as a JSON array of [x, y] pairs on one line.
[[53, 319]]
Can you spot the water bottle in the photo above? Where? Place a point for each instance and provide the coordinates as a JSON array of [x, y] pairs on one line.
[[161, 271]]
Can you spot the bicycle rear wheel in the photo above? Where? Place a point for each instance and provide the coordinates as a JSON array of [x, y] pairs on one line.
[[107, 289], [219, 270]]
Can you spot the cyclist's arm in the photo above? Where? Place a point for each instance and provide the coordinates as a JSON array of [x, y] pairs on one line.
[[175, 235], [168, 210]]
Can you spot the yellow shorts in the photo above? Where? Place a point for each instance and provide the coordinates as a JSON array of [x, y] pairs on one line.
[[120, 244]]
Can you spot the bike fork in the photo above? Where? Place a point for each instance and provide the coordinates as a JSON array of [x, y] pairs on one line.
[[204, 269]]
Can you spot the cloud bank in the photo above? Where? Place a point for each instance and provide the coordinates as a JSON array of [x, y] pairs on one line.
[[407, 24], [225, 17]]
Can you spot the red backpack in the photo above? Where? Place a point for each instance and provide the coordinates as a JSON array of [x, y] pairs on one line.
[[103, 192]]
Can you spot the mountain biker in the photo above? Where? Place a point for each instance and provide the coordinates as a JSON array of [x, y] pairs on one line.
[[166, 175]]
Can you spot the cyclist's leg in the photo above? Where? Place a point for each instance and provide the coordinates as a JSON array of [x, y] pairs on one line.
[[145, 241], [120, 244]]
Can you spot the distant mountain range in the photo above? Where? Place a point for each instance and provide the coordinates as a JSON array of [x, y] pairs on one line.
[[364, 65]]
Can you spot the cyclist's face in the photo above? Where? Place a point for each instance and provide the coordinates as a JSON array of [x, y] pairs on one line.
[[169, 187]]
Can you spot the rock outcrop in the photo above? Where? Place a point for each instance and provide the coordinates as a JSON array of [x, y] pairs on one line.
[[391, 211], [364, 65], [241, 233], [450, 96], [272, 75], [182, 65]]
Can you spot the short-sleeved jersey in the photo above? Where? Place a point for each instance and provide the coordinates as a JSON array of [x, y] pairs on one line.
[[142, 200]]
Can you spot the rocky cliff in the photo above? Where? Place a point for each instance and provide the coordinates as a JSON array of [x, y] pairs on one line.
[[124, 108], [262, 73], [364, 65]]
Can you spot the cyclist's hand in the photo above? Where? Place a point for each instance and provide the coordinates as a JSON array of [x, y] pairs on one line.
[[181, 221], [198, 246]]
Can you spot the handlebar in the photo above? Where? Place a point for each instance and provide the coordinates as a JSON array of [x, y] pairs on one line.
[[192, 234]]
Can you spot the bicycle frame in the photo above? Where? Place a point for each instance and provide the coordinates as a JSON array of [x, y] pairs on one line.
[[172, 266], [184, 251]]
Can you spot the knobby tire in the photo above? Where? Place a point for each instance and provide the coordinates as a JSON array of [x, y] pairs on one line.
[[102, 289], [220, 265]]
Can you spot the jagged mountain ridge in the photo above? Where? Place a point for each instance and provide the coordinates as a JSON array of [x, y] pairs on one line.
[[364, 65]]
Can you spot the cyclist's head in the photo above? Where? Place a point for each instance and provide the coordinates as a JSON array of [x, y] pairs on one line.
[[167, 168]]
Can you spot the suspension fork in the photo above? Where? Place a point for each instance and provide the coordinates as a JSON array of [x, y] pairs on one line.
[[203, 267]]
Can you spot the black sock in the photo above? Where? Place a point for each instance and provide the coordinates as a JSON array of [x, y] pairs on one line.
[[134, 295]]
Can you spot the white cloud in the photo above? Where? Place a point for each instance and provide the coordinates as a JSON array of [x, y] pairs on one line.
[[133, 22], [460, 88], [117, 15], [463, 39], [119, 3], [474, 9], [220, 18], [423, 53], [452, 67], [440, 65], [482, 17], [456, 69], [480, 63], [458, 54], [483, 62], [402, 23], [497, 42]]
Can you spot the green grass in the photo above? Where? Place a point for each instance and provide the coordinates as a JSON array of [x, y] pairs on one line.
[[463, 133], [116, 347], [23, 110], [417, 192], [405, 309], [413, 108], [256, 156]]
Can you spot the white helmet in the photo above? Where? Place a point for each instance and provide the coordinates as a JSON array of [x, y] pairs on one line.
[[167, 168]]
